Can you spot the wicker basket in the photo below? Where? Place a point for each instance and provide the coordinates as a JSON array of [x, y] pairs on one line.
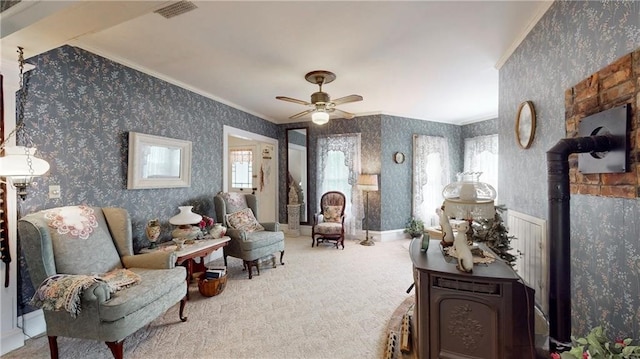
[[211, 287]]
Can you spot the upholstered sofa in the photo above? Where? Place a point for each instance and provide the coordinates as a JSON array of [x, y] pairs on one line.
[[79, 242], [249, 241]]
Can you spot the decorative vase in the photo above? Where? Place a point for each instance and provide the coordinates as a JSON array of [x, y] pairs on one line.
[[153, 232], [218, 231]]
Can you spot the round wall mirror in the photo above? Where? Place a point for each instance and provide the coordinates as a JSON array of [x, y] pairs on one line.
[[525, 124]]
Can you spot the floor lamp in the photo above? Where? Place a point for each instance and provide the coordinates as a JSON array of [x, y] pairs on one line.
[[367, 183]]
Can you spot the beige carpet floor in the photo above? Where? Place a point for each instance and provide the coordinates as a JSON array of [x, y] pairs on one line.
[[323, 303]]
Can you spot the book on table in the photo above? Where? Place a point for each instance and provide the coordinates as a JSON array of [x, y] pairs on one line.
[[215, 272]]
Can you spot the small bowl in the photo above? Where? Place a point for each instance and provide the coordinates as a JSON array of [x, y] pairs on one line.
[[179, 243]]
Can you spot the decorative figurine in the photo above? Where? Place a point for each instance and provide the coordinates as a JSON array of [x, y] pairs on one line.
[[465, 258], [153, 232], [293, 195], [447, 232]]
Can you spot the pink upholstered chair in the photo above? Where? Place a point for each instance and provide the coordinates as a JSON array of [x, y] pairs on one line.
[[328, 224]]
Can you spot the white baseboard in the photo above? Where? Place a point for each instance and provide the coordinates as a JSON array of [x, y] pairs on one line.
[[33, 323], [305, 230], [393, 235], [385, 236], [11, 340]]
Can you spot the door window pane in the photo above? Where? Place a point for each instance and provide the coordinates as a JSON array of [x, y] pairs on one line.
[[241, 168]]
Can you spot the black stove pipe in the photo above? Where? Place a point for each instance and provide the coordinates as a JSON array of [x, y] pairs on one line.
[[560, 232]]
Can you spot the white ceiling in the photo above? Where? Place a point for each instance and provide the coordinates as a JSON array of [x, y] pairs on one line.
[[430, 60]]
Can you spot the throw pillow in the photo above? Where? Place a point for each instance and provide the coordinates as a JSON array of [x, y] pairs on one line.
[[332, 213], [235, 201], [244, 220]]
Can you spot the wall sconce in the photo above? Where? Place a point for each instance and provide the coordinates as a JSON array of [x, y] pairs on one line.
[[19, 165]]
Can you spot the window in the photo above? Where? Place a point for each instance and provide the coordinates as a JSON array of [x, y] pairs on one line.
[[336, 174], [338, 167], [481, 155], [241, 168], [430, 175]]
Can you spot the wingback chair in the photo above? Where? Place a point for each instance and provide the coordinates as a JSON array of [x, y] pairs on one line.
[[250, 240], [328, 224], [77, 242]]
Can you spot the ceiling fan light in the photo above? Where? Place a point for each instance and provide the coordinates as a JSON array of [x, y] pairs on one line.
[[320, 117]]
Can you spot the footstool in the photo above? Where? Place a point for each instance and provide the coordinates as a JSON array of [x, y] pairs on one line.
[[268, 259]]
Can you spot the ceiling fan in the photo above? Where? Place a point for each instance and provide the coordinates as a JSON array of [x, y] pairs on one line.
[[321, 101]]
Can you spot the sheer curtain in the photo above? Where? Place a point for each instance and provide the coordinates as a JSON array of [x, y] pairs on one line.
[[430, 175], [338, 167], [481, 155]]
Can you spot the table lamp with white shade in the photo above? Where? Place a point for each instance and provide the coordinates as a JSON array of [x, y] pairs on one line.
[[468, 199], [185, 221]]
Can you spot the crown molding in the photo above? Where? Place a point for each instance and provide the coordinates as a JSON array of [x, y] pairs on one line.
[[545, 5]]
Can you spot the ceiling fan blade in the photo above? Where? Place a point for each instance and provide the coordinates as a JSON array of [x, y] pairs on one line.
[[289, 99], [347, 115], [347, 99], [298, 115]]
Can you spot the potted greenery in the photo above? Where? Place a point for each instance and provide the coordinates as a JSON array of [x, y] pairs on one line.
[[494, 233], [596, 345], [414, 227]]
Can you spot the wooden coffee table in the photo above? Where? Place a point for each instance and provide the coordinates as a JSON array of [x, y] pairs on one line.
[[199, 249]]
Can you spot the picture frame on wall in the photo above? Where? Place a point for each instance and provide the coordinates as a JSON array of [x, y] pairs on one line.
[[158, 162]]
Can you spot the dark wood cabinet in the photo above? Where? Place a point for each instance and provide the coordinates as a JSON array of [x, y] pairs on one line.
[[484, 314]]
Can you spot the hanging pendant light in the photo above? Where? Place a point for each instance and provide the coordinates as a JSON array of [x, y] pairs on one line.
[[19, 165]]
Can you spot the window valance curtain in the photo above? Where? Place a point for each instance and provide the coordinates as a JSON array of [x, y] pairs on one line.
[[481, 155], [338, 167]]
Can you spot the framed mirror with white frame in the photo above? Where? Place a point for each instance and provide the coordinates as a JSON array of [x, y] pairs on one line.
[[158, 162]]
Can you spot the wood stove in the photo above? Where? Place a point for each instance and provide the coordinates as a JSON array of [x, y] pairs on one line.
[[484, 314]]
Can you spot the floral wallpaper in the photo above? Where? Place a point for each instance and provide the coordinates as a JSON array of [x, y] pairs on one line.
[[396, 189], [573, 40], [80, 108], [383, 136]]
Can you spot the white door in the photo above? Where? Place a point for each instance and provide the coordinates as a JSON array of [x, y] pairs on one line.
[[263, 169]]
